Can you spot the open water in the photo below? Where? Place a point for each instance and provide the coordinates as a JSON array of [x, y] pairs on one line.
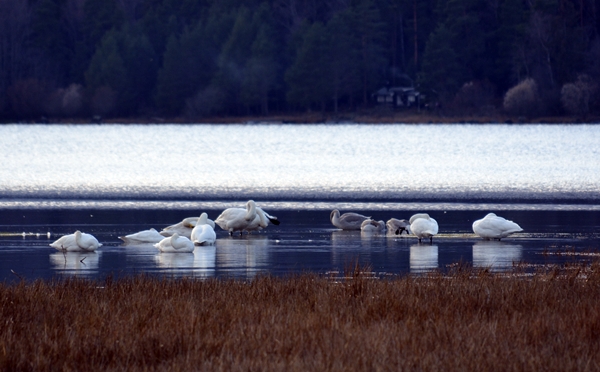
[[113, 180]]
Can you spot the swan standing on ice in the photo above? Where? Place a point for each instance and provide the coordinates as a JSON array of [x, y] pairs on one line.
[[76, 242], [372, 226], [203, 233], [347, 221], [398, 226], [495, 227], [423, 226], [184, 228], [261, 221], [237, 219], [146, 236], [175, 243]]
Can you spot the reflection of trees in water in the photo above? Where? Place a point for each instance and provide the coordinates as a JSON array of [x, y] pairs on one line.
[[423, 257], [76, 263], [201, 262], [242, 256], [496, 255]]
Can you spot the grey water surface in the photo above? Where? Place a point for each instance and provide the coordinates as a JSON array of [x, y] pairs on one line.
[[113, 180]]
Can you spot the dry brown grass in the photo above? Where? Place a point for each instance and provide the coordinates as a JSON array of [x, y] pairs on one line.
[[468, 320]]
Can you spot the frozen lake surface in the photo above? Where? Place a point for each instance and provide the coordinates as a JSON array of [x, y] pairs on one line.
[[112, 180], [301, 162]]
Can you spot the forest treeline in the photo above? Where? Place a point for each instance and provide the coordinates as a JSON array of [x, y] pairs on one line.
[[199, 58]]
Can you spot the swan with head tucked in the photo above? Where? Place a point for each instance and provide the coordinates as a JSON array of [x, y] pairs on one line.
[[347, 221], [203, 233], [372, 226], [423, 226], [237, 219], [398, 226], [261, 221], [146, 236], [175, 244], [76, 242], [184, 228], [495, 227]]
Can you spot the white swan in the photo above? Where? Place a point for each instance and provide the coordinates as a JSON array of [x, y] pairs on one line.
[[261, 221], [423, 226], [495, 227], [76, 242], [203, 233], [347, 221], [146, 236], [398, 226], [237, 219], [184, 228], [175, 243], [372, 226]]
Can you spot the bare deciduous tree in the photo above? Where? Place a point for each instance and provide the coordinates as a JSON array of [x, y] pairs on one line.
[[522, 99], [577, 96]]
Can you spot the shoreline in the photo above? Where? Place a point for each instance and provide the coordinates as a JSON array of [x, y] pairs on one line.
[[365, 117]]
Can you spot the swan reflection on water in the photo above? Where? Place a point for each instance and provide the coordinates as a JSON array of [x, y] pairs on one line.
[[423, 258], [76, 263], [200, 263], [242, 256], [496, 255]]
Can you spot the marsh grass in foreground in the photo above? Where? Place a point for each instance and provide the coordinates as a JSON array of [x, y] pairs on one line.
[[466, 320]]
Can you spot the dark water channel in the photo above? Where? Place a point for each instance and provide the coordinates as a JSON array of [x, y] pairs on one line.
[[305, 241]]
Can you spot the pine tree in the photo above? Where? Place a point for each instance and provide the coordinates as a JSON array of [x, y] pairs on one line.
[[342, 59], [188, 66], [369, 33], [308, 77], [441, 69], [233, 59]]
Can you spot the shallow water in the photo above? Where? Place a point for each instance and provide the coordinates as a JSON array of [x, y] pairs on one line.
[[305, 241], [113, 180]]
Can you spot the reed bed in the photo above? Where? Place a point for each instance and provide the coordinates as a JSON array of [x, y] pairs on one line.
[[463, 320]]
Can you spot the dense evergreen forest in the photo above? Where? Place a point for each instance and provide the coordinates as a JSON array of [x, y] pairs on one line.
[[206, 58]]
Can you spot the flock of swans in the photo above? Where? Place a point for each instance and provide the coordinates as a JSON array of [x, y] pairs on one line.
[[422, 225], [181, 237], [200, 231]]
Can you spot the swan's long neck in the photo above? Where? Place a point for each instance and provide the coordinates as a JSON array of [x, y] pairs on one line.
[[78, 238], [175, 243], [251, 206], [335, 216], [262, 216], [203, 220]]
